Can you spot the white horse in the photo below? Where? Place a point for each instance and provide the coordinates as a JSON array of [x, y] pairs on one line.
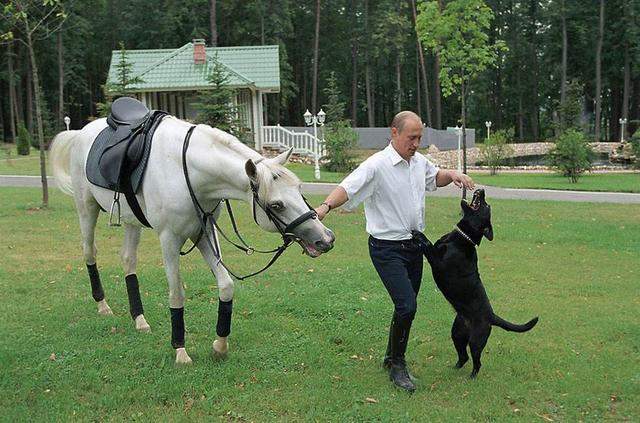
[[220, 167]]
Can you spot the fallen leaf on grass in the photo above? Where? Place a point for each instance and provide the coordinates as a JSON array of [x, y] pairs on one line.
[[371, 400], [187, 405], [52, 357], [545, 417]]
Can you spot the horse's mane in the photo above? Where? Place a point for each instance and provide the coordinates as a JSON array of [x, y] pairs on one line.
[[275, 172]]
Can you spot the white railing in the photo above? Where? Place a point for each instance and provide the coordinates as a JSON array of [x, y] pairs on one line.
[[302, 143]]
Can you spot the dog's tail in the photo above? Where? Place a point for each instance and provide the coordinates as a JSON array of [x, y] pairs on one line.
[[499, 321]]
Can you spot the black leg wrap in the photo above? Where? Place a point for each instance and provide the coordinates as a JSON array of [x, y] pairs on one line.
[[177, 327], [96, 286], [223, 328], [133, 292]]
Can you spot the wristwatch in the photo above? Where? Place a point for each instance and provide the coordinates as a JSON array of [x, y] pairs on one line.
[[326, 204]]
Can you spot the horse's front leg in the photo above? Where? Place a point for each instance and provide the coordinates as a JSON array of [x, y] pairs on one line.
[[171, 244], [225, 300], [129, 262]]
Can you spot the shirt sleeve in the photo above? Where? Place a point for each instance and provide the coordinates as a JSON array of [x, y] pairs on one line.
[[359, 185], [430, 176]]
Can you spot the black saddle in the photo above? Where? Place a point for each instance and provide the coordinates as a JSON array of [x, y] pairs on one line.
[[118, 157]]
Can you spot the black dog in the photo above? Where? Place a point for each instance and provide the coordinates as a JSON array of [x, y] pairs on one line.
[[454, 264]]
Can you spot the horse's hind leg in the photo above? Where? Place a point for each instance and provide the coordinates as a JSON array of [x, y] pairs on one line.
[[88, 211], [129, 262], [225, 300]]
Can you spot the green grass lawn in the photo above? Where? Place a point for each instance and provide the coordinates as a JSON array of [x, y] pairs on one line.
[[308, 336], [613, 182]]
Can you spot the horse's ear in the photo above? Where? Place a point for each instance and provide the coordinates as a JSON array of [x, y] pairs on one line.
[[252, 171], [282, 158]]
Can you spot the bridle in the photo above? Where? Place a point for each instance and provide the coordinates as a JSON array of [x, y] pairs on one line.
[[285, 230]]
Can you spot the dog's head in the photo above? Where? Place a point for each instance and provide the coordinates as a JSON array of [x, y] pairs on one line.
[[477, 215]]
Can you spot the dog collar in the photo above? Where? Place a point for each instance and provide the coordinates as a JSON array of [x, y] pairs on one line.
[[465, 236]]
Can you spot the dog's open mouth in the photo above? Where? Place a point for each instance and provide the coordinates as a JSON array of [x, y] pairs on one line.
[[478, 197]]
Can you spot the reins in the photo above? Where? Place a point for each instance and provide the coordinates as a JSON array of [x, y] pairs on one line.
[[286, 230]]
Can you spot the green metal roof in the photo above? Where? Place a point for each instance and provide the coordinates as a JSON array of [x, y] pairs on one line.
[[174, 70]]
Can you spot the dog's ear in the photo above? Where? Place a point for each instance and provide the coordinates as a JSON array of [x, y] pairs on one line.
[[488, 232]]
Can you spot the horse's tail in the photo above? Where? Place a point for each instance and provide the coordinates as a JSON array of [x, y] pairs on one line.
[[60, 158]]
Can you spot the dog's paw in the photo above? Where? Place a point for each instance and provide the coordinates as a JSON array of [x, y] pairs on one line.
[[461, 363]]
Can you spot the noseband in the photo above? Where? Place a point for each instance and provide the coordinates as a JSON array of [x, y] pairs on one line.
[[285, 230]]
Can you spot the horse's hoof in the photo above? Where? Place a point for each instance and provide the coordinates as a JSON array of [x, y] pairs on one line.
[[104, 309], [141, 324], [220, 349], [182, 357]]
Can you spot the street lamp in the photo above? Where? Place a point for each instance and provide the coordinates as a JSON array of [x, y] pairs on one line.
[[622, 123], [315, 120], [488, 125], [459, 132], [67, 121]]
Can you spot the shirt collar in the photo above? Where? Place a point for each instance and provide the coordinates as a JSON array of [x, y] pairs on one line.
[[394, 156]]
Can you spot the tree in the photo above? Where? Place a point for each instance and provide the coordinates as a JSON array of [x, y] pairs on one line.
[[122, 86], [340, 139], [458, 34], [35, 20], [23, 142], [572, 155], [216, 105], [213, 24]]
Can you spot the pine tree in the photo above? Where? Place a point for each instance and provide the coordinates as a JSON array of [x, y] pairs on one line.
[[340, 138], [122, 86], [216, 104]]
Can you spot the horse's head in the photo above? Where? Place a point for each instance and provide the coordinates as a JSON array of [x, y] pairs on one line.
[[278, 205]]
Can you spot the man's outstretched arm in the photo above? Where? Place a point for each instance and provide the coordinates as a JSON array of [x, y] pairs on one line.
[[336, 198], [445, 177]]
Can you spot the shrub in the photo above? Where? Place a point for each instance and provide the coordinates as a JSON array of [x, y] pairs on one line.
[[635, 148], [23, 142], [340, 140], [572, 154], [496, 149]]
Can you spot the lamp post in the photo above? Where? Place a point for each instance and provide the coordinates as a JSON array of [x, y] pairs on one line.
[[67, 121], [459, 132], [622, 123], [315, 120], [488, 125]]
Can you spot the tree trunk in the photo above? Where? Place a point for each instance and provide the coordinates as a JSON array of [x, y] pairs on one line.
[[418, 89], [213, 24], [12, 93], [565, 47], [599, 72], [20, 88], [367, 72], [316, 45], [534, 110], [36, 87], [626, 89], [464, 133], [29, 82], [354, 66], [423, 67], [398, 102], [60, 122]]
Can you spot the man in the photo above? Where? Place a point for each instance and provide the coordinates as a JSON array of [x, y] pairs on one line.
[[392, 183]]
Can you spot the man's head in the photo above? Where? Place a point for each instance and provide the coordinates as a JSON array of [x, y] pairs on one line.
[[406, 132]]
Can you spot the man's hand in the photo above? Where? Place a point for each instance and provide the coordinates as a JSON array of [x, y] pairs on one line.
[[322, 211], [462, 180]]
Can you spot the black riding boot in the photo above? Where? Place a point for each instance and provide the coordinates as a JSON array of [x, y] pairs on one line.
[[386, 362], [398, 372]]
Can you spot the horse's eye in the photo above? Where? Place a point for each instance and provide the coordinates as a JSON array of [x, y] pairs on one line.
[[276, 206]]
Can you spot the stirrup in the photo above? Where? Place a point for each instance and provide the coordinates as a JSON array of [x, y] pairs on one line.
[[115, 205]]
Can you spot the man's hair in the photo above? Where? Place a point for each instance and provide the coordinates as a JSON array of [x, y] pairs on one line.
[[401, 119]]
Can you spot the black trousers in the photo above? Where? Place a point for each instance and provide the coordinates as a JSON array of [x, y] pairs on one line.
[[399, 264]]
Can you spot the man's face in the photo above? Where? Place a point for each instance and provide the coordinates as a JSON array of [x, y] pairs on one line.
[[407, 141]]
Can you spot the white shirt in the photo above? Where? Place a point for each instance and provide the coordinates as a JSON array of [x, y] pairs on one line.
[[393, 192]]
